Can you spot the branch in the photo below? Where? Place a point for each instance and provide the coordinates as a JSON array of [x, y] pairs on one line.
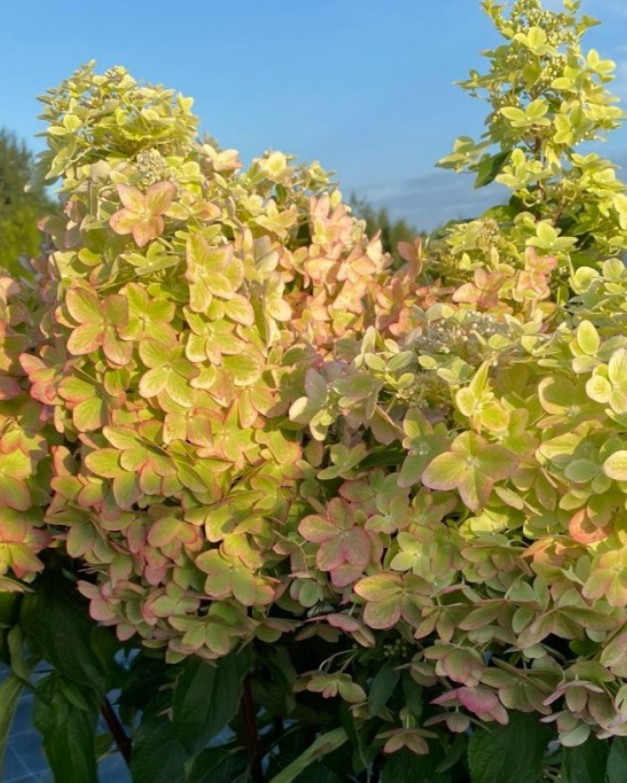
[[122, 741], [251, 735]]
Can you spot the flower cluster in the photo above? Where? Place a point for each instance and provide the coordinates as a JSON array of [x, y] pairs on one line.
[[183, 300]]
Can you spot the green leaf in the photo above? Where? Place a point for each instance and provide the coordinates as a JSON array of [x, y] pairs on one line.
[[490, 167], [585, 763], [617, 761], [327, 743], [10, 691], [382, 687], [405, 767], [413, 693], [56, 617], [207, 697], [218, 765], [158, 756], [509, 754], [67, 715], [319, 773]]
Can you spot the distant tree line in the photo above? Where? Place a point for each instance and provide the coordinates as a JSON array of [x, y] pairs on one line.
[[23, 202], [392, 231]]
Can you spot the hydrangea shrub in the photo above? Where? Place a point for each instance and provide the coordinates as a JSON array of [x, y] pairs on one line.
[[240, 427]]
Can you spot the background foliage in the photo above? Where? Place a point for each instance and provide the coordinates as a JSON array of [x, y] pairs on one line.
[[20, 209]]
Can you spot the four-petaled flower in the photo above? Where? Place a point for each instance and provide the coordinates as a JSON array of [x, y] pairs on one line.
[[472, 466], [345, 547], [390, 597], [480, 701], [142, 214], [608, 578], [229, 576], [211, 271], [608, 384], [99, 325]]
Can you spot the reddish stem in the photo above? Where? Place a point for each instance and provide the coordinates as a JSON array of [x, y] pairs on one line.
[[122, 741], [251, 735]]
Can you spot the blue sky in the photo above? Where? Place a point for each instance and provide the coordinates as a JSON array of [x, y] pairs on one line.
[[365, 87]]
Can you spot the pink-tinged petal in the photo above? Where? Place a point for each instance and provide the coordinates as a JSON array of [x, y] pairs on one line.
[[475, 489], [24, 561], [14, 493], [499, 714], [410, 251], [218, 586], [582, 529], [536, 631], [598, 584], [244, 587], [80, 540], [345, 575], [616, 594], [330, 555], [163, 531], [132, 198], [159, 197], [85, 339], [380, 587], [104, 462], [200, 297], [457, 722], [124, 221], [117, 351], [384, 614], [9, 388], [75, 389], [448, 697], [467, 294], [84, 306], [356, 548], [345, 622], [340, 514], [478, 699], [316, 528], [240, 309], [90, 415], [462, 666], [498, 462], [126, 490], [147, 230], [446, 471], [153, 382], [101, 612], [115, 310]]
